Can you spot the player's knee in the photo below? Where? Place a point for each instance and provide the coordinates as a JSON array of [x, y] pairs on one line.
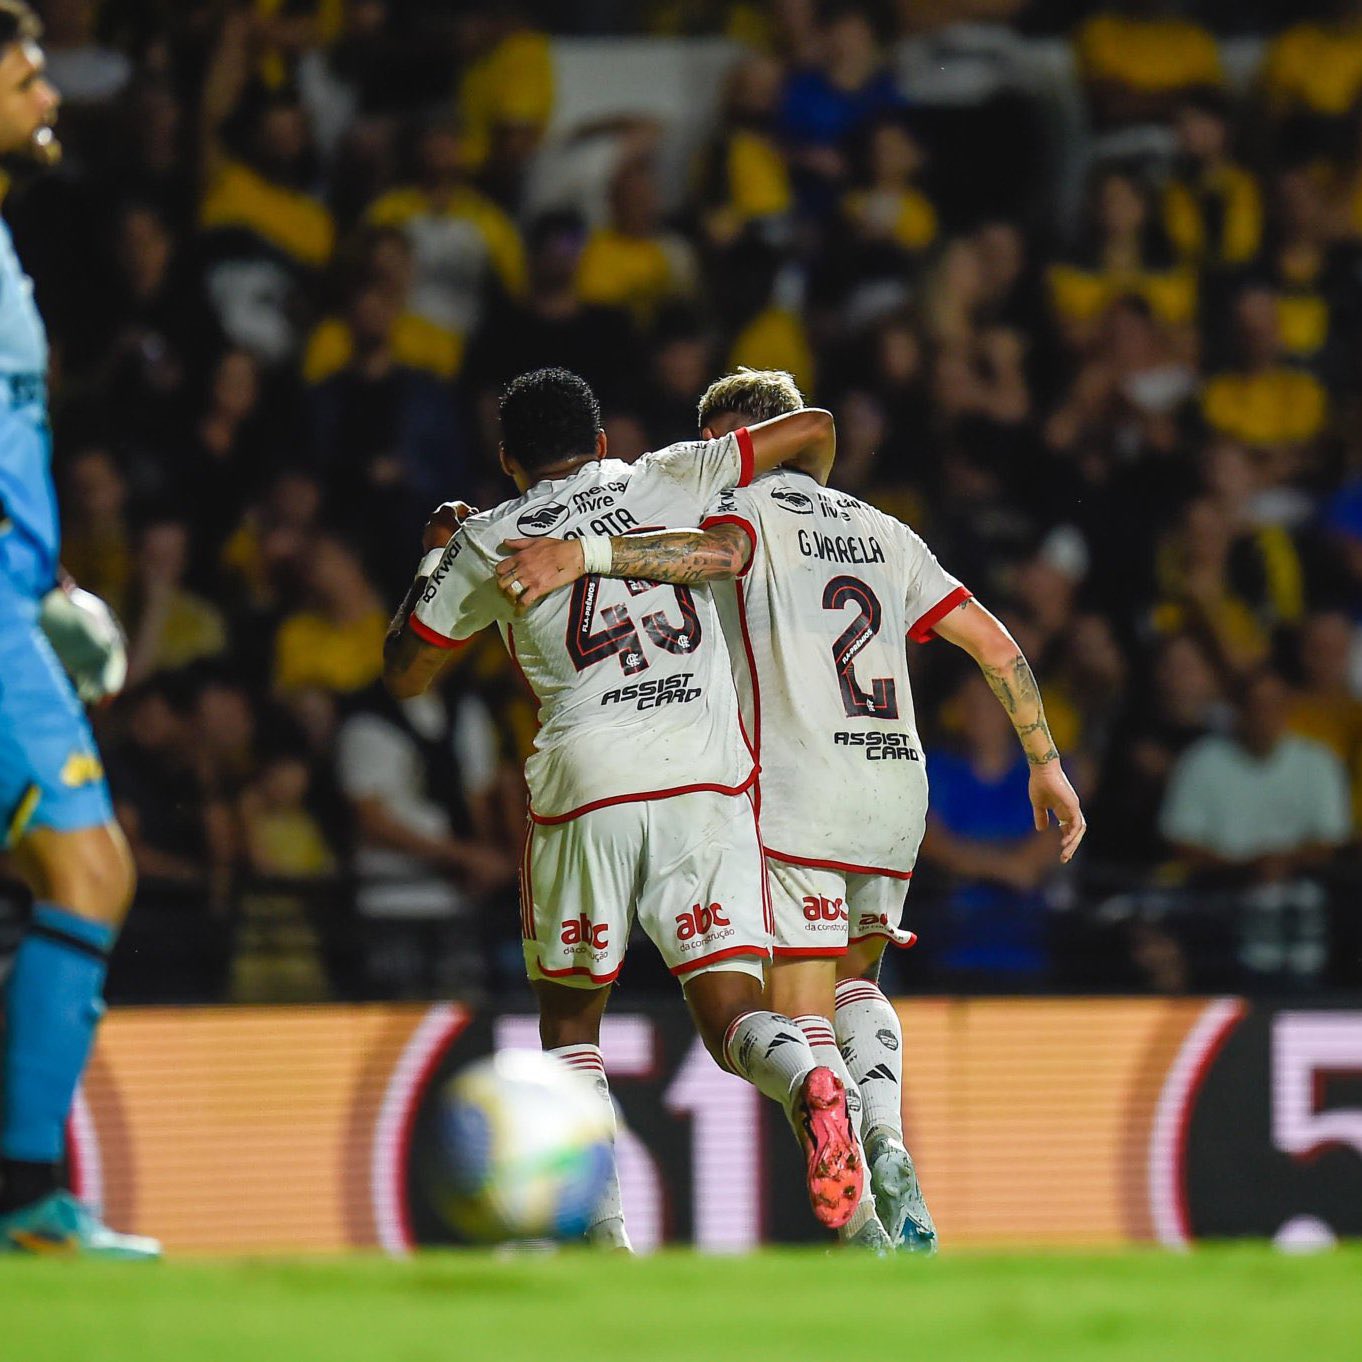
[[717, 998], [862, 961], [90, 872]]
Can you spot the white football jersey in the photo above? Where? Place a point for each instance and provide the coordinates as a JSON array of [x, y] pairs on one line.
[[633, 678], [821, 615]]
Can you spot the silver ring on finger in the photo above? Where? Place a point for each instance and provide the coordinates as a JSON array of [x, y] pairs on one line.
[[518, 587]]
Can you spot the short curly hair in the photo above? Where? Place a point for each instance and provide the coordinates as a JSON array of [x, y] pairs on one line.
[[754, 394], [548, 415], [18, 23]]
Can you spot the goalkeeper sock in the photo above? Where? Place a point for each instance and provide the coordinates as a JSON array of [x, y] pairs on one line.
[[771, 1053], [52, 1007], [607, 1220], [818, 1032], [871, 1041]]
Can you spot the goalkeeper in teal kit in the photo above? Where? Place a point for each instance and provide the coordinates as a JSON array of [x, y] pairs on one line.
[[56, 818]]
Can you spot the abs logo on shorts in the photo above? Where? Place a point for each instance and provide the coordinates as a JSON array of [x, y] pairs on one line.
[[703, 925], [542, 519], [872, 920], [826, 914], [583, 932], [791, 500]]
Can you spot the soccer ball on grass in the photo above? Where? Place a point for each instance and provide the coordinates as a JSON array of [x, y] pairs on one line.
[[523, 1149]]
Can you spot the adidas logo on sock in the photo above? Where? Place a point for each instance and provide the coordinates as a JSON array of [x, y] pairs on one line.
[[879, 1071], [780, 1038]]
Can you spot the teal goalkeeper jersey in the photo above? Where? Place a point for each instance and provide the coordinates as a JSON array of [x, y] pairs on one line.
[[29, 528]]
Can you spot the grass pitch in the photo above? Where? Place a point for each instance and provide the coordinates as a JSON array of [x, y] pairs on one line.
[[1242, 1304]]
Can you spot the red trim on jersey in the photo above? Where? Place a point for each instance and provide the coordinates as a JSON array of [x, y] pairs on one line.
[[748, 454], [580, 970], [886, 935], [424, 632], [768, 912], [595, 804], [760, 951], [843, 866], [710, 521], [809, 953], [921, 632]]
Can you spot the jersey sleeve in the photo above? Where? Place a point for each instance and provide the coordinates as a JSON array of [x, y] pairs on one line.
[[735, 506], [932, 593], [705, 467], [461, 596]]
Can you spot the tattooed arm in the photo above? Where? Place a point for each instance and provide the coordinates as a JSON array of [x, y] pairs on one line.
[[684, 557], [1009, 676]]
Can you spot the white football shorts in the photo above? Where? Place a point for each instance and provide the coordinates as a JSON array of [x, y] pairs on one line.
[[688, 867], [820, 909]]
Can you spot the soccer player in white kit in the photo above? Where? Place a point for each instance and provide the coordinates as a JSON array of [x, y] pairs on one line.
[[828, 588], [641, 779]]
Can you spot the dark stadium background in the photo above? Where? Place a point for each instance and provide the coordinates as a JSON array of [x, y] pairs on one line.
[[1081, 282]]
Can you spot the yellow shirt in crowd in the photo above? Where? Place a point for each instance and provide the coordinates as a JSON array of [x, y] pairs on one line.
[[908, 213], [1080, 295], [416, 341], [1151, 55], [512, 84], [312, 652], [1315, 67], [1280, 405], [286, 218], [1239, 230]]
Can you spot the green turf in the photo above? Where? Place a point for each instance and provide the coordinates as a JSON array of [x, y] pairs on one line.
[[1231, 1304]]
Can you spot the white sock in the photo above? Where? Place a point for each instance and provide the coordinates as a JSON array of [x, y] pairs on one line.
[[607, 1220], [871, 1041], [770, 1052], [818, 1032]]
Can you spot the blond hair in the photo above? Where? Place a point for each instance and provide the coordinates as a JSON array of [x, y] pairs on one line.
[[755, 394]]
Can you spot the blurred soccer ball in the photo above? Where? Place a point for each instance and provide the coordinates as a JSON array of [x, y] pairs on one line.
[[523, 1149]]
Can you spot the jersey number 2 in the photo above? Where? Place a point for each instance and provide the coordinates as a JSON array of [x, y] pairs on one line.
[[618, 635], [882, 701]]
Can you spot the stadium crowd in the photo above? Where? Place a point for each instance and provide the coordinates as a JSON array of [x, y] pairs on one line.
[[296, 247]]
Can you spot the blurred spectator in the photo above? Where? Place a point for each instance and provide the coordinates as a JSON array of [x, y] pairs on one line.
[[466, 250], [1138, 56], [168, 626], [84, 72], [1180, 702], [278, 956], [552, 321], [1264, 401], [421, 778], [1262, 813], [826, 104], [890, 207], [1325, 707], [506, 94], [386, 438], [1261, 805], [1122, 251], [96, 546], [980, 831], [634, 262], [1212, 206], [385, 262], [264, 232], [335, 642], [1130, 393], [747, 179]]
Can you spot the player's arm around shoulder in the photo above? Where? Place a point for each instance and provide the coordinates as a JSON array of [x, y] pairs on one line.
[[536, 567], [984, 637], [414, 654]]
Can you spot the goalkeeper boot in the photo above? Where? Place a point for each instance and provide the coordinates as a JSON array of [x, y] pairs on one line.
[[61, 1226], [898, 1198]]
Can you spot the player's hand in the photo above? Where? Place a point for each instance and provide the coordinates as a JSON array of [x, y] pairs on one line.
[[444, 522], [1051, 793], [88, 641], [536, 567]]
